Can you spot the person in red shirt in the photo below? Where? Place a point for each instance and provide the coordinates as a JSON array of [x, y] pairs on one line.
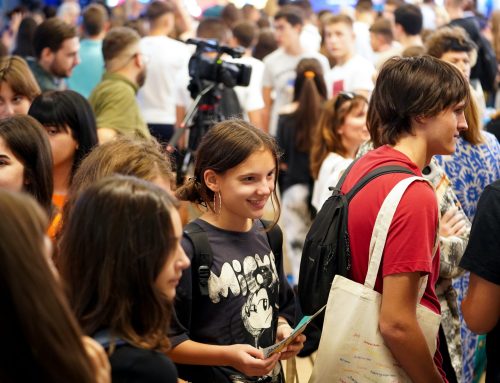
[[416, 112]]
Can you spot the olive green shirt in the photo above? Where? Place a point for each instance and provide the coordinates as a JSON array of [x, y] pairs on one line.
[[115, 106]]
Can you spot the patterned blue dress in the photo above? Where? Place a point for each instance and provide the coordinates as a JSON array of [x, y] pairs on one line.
[[471, 168]]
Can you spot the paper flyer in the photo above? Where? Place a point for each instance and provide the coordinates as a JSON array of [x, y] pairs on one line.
[[301, 326]]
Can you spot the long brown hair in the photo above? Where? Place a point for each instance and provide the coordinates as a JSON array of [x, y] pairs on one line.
[[40, 337], [15, 72], [310, 93], [473, 133], [112, 249], [326, 137]]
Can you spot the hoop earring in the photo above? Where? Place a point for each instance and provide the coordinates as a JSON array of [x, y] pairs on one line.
[[220, 203]]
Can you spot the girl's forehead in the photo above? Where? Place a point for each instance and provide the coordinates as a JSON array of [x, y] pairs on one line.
[[262, 158]]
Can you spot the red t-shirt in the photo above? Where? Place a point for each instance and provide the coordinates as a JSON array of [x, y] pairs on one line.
[[410, 240]]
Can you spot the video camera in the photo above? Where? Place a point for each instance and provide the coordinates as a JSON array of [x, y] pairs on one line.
[[203, 67]]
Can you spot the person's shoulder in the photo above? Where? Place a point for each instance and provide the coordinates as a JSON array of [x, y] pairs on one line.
[[359, 63], [274, 56], [288, 109], [491, 139], [142, 365]]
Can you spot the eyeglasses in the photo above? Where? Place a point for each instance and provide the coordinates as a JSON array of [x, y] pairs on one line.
[[343, 97]]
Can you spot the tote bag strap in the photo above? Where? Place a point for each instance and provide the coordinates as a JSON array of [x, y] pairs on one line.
[[381, 229]]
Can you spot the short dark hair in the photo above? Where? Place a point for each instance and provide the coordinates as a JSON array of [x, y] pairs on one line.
[[449, 39], [293, 14], [364, 6], [213, 28], [245, 33], [51, 34], [27, 140], [68, 109], [117, 41], [383, 27], [430, 86], [111, 268], [95, 17], [410, 18], [158, 8]]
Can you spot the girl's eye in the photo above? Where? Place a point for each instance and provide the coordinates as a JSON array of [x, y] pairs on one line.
[[51, 131]]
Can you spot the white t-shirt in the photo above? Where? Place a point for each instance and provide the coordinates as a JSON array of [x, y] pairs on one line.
[[279, 74], [168, 60], [355, 74], [310, 38], [329, 174], [363, 46], [250, 97]]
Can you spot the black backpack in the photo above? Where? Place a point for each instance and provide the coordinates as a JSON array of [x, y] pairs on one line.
[[326, 250], [202, 252]]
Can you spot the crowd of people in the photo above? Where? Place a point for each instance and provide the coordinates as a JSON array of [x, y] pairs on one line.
[[109, 275]]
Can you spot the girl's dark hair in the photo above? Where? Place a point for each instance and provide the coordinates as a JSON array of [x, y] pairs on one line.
[[24, 40], [40, 336], [113, 247], [226, 145], [68, 109], [326, 136], [310, 93], [27, 140]]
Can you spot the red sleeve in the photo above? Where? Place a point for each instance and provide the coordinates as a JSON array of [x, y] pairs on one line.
[[410, 241]]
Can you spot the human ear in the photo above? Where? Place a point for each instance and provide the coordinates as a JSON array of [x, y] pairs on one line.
[[46, 55], [211, 180], [420, 119]]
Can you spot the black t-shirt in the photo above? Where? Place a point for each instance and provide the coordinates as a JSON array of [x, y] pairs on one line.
[[482, 257], [130, 364], [247, 292]]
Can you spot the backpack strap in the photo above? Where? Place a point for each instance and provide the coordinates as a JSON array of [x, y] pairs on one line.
[[202, 255], [274, 237], [374, 174]]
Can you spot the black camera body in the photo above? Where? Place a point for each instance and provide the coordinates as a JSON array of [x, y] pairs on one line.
[[214, 69]]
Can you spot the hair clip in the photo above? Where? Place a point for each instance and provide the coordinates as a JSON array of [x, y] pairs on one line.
[[309, 74]]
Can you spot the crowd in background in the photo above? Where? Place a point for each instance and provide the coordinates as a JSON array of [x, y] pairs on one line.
[[90, 100]]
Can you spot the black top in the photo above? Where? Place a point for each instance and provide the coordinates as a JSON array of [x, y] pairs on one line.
[[482, 257], [247, 291], [494, 127], [130, 364], [297, 162]]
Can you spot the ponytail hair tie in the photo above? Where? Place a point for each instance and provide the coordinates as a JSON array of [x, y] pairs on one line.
[[309, 74]]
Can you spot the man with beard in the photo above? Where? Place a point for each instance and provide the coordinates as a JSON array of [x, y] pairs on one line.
[[56, 47], [113, 99]]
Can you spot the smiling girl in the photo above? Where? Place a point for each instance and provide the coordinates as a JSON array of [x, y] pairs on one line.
[[249, 303]]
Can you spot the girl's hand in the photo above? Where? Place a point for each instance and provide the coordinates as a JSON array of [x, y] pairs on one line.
[[452, 223], [98, 359], [250, 361], [284, 331]]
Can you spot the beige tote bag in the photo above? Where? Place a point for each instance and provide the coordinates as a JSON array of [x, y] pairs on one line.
[[351, 348]]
